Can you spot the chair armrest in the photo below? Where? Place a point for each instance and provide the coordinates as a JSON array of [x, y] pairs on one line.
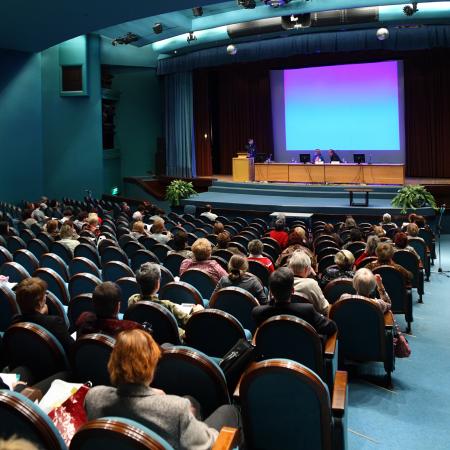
[[388, 319], [339, 400], [227, 439], [330, 345], [32, 394]]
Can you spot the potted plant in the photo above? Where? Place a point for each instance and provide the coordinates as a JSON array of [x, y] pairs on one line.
[[413, 196], [179, 190]]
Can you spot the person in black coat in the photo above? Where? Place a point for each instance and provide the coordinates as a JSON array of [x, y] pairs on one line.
[[30, 296], [281, 283]]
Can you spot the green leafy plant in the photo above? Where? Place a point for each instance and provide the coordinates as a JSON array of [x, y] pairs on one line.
[[179, 190], [413, 196]]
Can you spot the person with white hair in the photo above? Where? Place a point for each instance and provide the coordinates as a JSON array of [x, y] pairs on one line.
[[344, 261], [365, 284], [300, 264], [387, 220]]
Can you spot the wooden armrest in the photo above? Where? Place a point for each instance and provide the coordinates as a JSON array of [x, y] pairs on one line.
[[238, 386], [388, 319], [339, 393], [32, 394], [330, 345], [227, 439]]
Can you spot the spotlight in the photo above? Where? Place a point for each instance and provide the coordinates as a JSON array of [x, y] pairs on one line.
[[247, 4], [191, 37], [410, 10], [231, 50], [197, 11], [382, 34], [157, 28], [125, 40]]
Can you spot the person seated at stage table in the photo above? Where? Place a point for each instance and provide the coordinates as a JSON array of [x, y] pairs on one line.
[[250, 147], [106, 300], [317, 157], [180, 245], [280, 234], [296, 242], [385, 252], [209, 214], [132, 366], [365, 283], [401, 243], [281, 283], [300, 264], [371, 246], [201, 249], [355, 236], [344, 261], [239, 277], [334, 157], [255, 250]]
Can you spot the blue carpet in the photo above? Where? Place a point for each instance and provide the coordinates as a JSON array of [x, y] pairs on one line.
[[415, 415]]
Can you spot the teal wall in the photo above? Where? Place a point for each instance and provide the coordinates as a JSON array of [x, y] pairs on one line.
[[72, 131], [20, 126]]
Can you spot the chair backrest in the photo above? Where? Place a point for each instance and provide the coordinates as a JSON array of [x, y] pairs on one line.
[[113, 254], [87, 251], [56, 308], [173, 263], [409, 261], [335, 288], [163, 323], [62, 251], [55, 262], [55, 283], [361, 329], [131, 247], [81, 264], [26, 259], [366, 261], [82, 283], [326, 262], [272, 242], [89, 358], [128, 287], [220, 261], [45, 238], [223, 253], [290, 337], [78, 305], [271, 251], [19, 416], [395, 286], [200, 280], [37, 247], [325, 243], [420, 246], [166, 276], [15, 243], [181, 292], [142, 256], [148, 242], [356, 246], [185, 371], [161, 250], [212, 331], [271, 422], [8, 306], [117, 433], [14, 271], [113, 270], [260, 270], [32, 346], [325, 251], [5, 255], [237, 302]]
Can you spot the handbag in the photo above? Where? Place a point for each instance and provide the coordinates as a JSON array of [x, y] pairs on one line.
[[401, 345]]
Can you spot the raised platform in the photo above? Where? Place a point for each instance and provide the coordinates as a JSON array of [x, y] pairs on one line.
[[292, 197]]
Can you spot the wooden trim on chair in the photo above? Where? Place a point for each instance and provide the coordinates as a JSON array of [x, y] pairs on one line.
[[227, 439], [339, 393], [330, 345], [388, 319]]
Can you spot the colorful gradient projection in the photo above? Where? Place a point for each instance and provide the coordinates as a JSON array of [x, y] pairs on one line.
[[346, 107]]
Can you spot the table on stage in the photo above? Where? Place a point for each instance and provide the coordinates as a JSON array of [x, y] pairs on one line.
[[331, 173]]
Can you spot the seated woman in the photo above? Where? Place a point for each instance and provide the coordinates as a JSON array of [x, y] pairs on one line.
[[202, 260], [279, 233], [385, 252], [179, 244], [255, 249], [218, 228], [51, 227], [138, 230], [355, 236], [296, 242], [132, 367], [159, 232], [387, 220], [93, 223], [239, 277], [328, 230], [401, 243], [412, 231], [344, 260], [68, 236], [365, 283], [371, 246], [349, 223], [379, 231], [26, 217], [223, 239]]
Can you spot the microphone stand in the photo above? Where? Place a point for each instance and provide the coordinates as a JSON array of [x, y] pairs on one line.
[[438, 229]]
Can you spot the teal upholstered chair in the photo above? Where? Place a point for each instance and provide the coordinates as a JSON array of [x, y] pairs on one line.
[[14, 271], [200, 280], [19, 416], [410, 262], [422, 249], [113, 270], [173, 263], [78, 305], [287, 406], [128, 286], [37, 247], [181, 292], [113, 254], [82, 283], [55, 283], [290, 337], [55, 262], [335, 288], [81, 264], [8, 306], [365, 334], [87, 251], [142, 256]]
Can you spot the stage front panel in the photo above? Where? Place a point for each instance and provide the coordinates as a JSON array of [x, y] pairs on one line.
[[384, 174], [307, 173], [275, 172], [343, 173]]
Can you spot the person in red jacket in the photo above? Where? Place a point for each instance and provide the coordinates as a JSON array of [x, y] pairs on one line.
[[279, 234]]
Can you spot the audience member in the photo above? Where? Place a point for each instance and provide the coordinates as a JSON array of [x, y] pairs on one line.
[[239, 277], [51, 227], [15, 443], [412, 231], [81, 220], [223, 241], [255, 249], [401, 243], [281, 283], [30, 296], [38, 214], [355, 236], [68, 236], [300, 264], [132, 367], [329, 230], [371, 246], [93, 223], [209, 214], [179, 245], [202, 260], [26, 217], [379, 231], [387, 220], [138, 230], [218, 228], [296, 242], [344, 261], [349, 223], [67, 215], [158, 231], [279, 233], [106, 300]]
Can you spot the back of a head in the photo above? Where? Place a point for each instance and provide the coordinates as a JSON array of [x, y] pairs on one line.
[[328, 228], [299, 262], [281, 283], [218, 227], [158, 225], [237, 266], [180, 240], [255, 247], [223, 239], [68, 212], [66, 231], [355, 235], [139, 227], [137, 215], [297, 236], [106, 299], [29, 294], [387, 218], [350, 222], [412, 229], [372, 244], [420, 221], [364, 282], [401, 239], [344, 259], [201, 249], [52, 226], [208, 208], [379, 230], [384, 252], [148, 277], [134, 358], [15, 443], [279, 225]]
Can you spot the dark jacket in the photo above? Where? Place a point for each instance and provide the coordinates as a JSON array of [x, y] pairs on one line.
[[89, 323], [54, 324], [249, 282], [304, 311]]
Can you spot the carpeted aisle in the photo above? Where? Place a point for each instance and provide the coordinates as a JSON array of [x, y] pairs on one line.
[[415, 415]]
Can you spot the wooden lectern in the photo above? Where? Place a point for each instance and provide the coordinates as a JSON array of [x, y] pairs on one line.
[[243, 168]]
